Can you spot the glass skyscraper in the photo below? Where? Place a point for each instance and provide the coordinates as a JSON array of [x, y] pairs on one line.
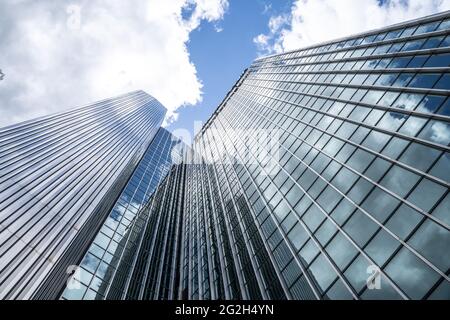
[[59, 177], [114, 246], [351, 199], [323, 174]]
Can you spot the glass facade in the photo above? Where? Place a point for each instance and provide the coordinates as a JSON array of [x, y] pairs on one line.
[[113, 247], [354, 203], [59, 177], [323, 174]]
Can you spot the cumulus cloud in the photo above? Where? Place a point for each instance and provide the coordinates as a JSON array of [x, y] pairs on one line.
[[59, 54], [315, 21]]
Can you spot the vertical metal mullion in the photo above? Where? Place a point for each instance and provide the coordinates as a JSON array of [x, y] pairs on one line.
[[248, 244], [236, 260]]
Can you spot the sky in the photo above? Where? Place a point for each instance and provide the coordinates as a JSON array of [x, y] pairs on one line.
[[56, 55]]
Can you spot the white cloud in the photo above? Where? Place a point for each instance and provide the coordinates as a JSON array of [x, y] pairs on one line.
[[54, 59], [315, 21]]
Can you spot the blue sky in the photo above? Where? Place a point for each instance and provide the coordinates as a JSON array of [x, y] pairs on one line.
[[221, 57], [57, 55]]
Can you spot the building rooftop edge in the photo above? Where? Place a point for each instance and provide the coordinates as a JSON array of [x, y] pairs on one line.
[[432, 17]]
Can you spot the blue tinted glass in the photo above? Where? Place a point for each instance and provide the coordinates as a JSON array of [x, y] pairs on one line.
[[408, 31], [443, 83], [393, 34], [438, 60], [419, 156], [403, 80], [432, 241], [429, 27], [445, 108], [436, 131], [430, 104], [386, 79], [399, 62], [426, 194], [411, 274], [445, 42], [424, 80], [413, 45], [433, 42], [408, 101], [417, 61], [441, 168], [444, 25]]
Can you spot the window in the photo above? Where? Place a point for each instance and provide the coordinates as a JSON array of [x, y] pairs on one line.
[[404, 220], [357, 273], [386, 79], [291, 272], [372, 96], [380, 204], [428, 27], [344, 180], [328, 199], [323, 272], [360, 190], [399, 62], [443, 83], [403, 79], [360, 160], [376, 140], [419, 156], [418, 61], [325, 232], [313, 217], [412, 126], [395, 147], [377, 169], [392, 121], [360, 228], [359, 135], [281, 210], [438, 60], [430, 104], [298, 236], [381, 247], [341, 250], [442, 292], [426, 194], [442, 210], [309, 251], [339, 292], [399, 180], [411, 274], [422, 80], [388, 98], [413, 45], [90, 262], [432, 42], [436, 131], [408, 101]]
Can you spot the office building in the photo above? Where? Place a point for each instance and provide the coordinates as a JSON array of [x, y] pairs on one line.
[[323, 174], [59, 177]]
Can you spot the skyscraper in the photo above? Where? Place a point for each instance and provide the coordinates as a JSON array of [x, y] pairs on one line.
[[323, 174], [59, 177], [362, 178], [105, 266], [351, 199]]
